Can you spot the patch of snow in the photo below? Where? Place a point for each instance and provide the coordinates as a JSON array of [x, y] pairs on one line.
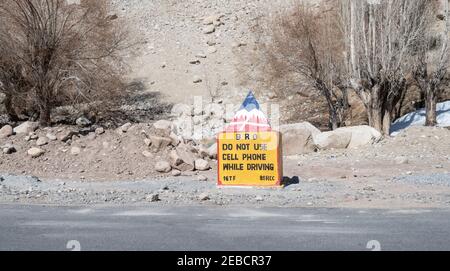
[[417, 118]]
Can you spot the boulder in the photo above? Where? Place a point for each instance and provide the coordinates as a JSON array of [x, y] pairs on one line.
[[163, 167], [201, 165], [175, 159], [163, 127], [66, 134], [182, 158], [159, 143], [35, 152], [6, 131], [347, 137], [362, 135], [8, 149], [41, 141], [175, 139], [297, 138], [333, 140], [26, 127]]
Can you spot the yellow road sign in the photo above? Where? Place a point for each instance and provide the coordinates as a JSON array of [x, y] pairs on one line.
[[249, 158]]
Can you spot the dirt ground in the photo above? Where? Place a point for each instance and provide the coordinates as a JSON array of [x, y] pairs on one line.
[[410, 170]]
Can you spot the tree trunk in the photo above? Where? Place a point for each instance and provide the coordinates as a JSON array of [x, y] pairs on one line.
[[430, 107], [44, 115], [386, 122], [334, 123], [375, 109], [377, 118], [10, 109]]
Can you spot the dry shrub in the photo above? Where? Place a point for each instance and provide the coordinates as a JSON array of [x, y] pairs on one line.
[[302, 53], [63, 54]]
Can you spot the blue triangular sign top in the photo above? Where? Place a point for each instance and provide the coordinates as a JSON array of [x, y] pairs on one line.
[[250, 102]]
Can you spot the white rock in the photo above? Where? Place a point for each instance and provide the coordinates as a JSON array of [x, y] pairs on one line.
[[362, 135], [147, 154], [41, 141], [26, 127], [211, 42], [75, 150], [211, 19], [347, 137], [66, 134], [204, 197], [51, 137], [297, 138], [159, 143], [163, 167], [176, 172], [148, 142], [209, 29], [202, 165], [200, 55], [99, 130], [6, 131], [182, 159], [202, 178], [8, 149], [212, 50], [332, 140], [35, 152], [197, 79], [124, 128]]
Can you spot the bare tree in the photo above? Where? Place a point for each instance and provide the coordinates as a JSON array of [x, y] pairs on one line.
[[382, 38], [66, 52], [305, 42], [432, 60]]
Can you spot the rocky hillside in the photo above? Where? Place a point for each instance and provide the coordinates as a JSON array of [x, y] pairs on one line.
[[204, 48]]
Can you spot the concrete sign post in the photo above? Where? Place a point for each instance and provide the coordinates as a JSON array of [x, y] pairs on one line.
[[248, 150]]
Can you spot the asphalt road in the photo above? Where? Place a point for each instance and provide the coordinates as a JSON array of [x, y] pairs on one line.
[[218, 228]]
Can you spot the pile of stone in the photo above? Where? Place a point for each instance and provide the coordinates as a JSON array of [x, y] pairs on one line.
[[183, 154]]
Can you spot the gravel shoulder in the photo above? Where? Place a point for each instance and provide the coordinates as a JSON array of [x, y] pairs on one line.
[[363, 192], [411, 170]]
